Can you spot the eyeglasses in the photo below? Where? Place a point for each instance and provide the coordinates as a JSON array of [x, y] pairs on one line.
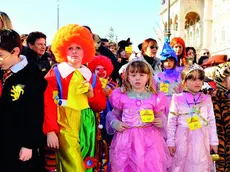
[[206, 53], [152, 47], [3, 58], [191, 53]]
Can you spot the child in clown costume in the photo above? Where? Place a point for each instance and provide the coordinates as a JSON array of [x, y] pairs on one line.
[[69, 121], [102, 67]]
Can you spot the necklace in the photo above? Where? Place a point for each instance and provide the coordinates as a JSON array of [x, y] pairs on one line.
[[138, 96], [194, 110]]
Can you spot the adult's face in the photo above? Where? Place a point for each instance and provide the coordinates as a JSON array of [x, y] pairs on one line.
[[151, 49], [178, 48], [39, 46]]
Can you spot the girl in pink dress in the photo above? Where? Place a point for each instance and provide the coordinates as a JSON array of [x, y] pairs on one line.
[[191, 125], [138, 122]]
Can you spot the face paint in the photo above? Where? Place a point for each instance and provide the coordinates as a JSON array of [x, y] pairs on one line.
[[101, 72]]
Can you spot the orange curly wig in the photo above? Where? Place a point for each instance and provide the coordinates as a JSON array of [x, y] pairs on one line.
[[103, 61], [69, 34], [179, 40]]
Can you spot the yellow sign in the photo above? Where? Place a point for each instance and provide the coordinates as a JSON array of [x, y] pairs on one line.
[[103, 82], [193, 123], [147, 115], [129, 49], [83, 88], [164, 87]]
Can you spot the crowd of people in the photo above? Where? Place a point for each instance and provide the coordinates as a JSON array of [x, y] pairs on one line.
[[87, 104]]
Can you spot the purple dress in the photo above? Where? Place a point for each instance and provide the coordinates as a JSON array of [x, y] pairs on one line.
[[192, 146], [141, 147], [173, 79]]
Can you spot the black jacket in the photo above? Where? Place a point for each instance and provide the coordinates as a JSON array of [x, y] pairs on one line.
[[22, 118], [42, 62]]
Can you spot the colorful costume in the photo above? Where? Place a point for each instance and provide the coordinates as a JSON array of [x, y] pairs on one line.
[[103, 67], [221, 103], [141, 147], [67, 109], [191, 129], [169, 81]]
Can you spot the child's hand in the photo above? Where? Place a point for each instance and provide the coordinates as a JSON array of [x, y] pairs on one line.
[[90, 92], [52, 140], [25, 154], [158, 122], [172, 150], [214, 148], [119, 126], [107, 90]]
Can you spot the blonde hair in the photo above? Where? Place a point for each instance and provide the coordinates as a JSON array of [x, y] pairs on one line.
[[138, 66], [4, 18]]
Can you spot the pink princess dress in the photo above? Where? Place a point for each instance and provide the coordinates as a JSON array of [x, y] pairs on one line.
[[141, 147], [191, 129]]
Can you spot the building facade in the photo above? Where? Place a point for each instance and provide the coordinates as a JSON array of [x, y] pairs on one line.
[[201, 23]]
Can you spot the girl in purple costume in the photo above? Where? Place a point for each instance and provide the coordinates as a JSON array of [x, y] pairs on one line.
[[169, 80], [138, 123]]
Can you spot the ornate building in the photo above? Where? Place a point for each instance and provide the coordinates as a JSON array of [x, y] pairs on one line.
[[201, 23]]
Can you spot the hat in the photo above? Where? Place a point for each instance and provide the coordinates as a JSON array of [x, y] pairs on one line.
[[124, 43], [216, 60], [168, 52]]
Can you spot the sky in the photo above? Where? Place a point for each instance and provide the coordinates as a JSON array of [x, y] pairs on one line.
[[132, 19]]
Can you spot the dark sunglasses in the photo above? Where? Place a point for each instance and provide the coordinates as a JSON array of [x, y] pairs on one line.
[[206, 53], [152, 47]]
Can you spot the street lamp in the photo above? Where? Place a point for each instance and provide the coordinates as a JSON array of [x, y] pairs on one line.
[[169, 24], [58, 14]]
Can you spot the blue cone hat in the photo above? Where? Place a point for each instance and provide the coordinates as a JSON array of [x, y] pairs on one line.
[[168, 51]]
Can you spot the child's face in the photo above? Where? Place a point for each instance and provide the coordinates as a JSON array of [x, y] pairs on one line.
[[75, 54], [100, 71], [227, 82], [194, 85], [112, 49], [169, 63], [178, 48], [7, 59], [138, 81]]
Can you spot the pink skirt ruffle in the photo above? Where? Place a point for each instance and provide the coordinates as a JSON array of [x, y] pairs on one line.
[[139, 150], [192, 151]]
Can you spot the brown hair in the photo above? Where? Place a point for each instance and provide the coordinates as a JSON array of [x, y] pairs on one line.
[[138, 67], [188, 74], [146, 43]]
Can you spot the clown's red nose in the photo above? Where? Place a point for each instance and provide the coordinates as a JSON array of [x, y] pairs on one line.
[[101, 70]]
